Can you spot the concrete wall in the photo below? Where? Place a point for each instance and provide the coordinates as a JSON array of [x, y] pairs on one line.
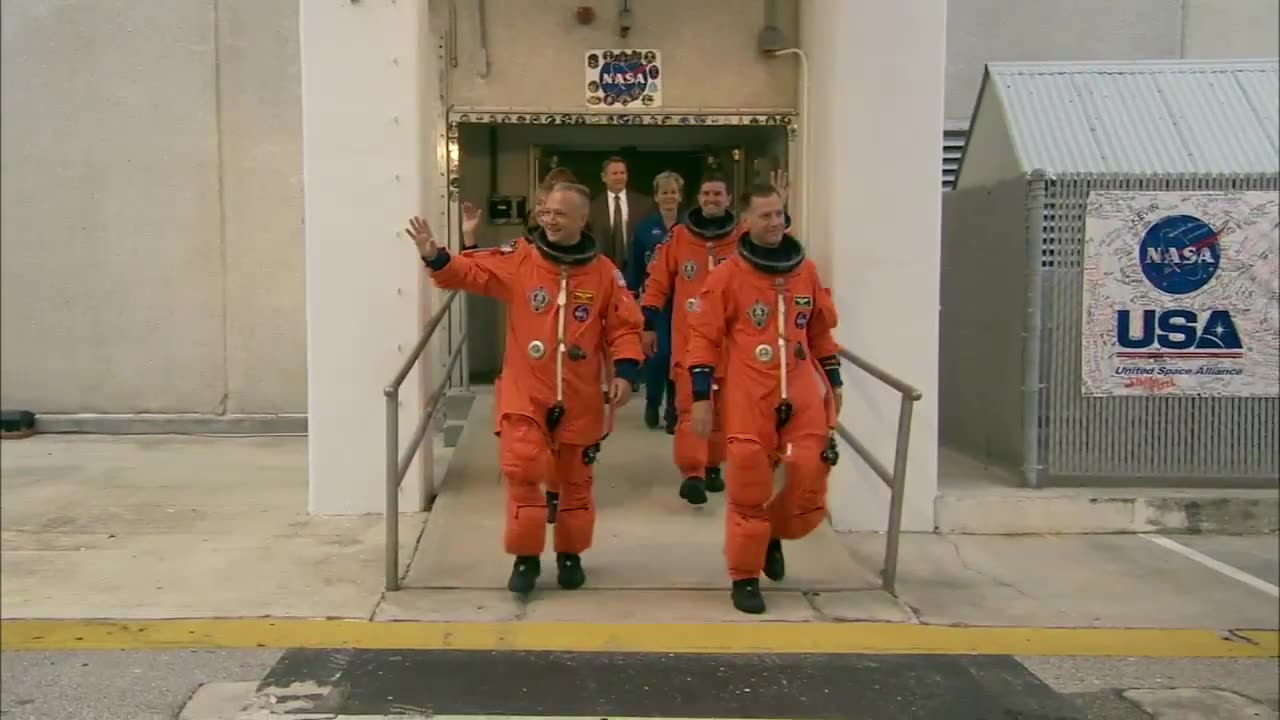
[[536, 50], [151, 207], [373, 150], [151, 196], [981, 31], [884, 275], [1230, 28]]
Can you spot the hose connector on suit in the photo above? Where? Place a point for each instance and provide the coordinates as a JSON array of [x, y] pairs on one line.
[[553, 506], [782, 413], [555, 414], [831, 453]]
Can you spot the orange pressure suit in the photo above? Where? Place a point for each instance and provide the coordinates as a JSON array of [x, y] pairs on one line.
[[521, 244], [517, 245], [677, 272], [567, 306], [765, 318]]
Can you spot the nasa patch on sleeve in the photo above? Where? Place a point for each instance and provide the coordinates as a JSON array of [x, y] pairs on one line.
[[617, 275]]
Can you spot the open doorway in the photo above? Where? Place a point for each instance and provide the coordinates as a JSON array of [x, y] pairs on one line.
[[502, 158], [643, 165]]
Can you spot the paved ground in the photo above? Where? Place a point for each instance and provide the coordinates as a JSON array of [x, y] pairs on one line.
[[233, 684], [198, 553], [163, 527], [117, 685]]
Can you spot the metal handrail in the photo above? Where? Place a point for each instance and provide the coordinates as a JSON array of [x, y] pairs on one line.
[[397, 464], [895, 479]]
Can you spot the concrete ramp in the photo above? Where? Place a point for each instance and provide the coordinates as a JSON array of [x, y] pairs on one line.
[[646, 536]]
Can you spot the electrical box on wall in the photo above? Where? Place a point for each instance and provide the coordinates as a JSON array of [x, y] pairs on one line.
[[507, 209]]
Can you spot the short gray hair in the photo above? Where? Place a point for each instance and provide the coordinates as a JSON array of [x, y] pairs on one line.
[[668, 177], [574, 189]]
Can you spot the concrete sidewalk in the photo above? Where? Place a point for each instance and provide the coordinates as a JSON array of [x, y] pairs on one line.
[[152, 527]]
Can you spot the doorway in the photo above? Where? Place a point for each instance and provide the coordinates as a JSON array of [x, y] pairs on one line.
[[505, 156], [643, 165]]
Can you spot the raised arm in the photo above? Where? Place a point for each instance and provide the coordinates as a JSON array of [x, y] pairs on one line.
[[482, 273], [470, 221]]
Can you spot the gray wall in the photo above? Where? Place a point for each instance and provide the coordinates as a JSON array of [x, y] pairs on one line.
[[981, 31], [151, 200], [536, 49], [152, 207]]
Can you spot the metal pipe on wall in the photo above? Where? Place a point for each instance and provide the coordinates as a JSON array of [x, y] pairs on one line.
[[625, 19], [804, 132], [484, 38], [451, 35], [1031, 382]]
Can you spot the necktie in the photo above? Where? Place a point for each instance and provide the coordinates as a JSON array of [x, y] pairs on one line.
[[618, 232]]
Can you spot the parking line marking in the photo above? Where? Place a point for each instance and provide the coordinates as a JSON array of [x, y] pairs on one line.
[[1228, 570], [727, 638]]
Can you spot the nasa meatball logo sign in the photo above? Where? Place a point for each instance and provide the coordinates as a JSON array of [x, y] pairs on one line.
[[626, 78], [1180, 294]]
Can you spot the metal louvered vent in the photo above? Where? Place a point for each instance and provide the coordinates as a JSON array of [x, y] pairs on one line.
[[953, 140]]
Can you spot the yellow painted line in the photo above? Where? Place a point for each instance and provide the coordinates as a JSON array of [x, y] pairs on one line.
[[886, 638]]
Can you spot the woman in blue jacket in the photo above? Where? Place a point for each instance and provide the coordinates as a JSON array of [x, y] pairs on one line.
[[668, 189]]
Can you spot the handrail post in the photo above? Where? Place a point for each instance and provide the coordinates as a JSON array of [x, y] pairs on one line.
[[393, 489], [397, 467], [464, 363], [897, 494]]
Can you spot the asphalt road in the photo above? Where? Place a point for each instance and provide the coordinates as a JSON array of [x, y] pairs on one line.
[[155, 684], [117, 684]]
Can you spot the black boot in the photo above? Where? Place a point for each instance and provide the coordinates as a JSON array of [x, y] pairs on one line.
[[671, 424], [553, 505], [693, 491], [524, 574], [570, 574], [775, 565], [715, 481], [651, 417], [746, 596]]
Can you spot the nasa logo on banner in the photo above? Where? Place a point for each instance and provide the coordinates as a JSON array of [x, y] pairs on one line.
[[1178, 294], [624, 78]]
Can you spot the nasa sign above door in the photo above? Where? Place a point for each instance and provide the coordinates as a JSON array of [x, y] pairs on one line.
[[1180, 292], [623, 79]]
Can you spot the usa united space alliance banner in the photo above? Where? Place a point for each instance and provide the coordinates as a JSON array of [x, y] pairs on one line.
[[1182, 294]]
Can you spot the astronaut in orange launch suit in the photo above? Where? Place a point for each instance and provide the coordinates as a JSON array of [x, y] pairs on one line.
[[765, 321], [707, 237], [567, 309]]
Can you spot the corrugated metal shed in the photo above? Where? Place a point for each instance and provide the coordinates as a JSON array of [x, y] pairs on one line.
[[1163, 117]]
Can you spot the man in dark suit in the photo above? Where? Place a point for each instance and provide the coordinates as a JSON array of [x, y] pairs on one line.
[[617, 211]]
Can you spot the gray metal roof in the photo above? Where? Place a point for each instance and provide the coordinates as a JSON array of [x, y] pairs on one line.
[[1169, 116]]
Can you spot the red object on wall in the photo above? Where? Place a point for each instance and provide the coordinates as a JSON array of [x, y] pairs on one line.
[[585, 14]]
